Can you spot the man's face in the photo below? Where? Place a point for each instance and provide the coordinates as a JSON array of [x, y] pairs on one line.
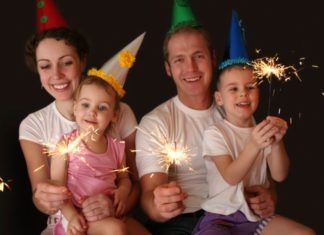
[[190, 64]]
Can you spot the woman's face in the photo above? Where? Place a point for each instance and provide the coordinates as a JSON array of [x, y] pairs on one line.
[[59, 68]]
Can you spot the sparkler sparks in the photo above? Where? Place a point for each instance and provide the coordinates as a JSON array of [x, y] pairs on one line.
[[67, 146], [168, 152], [267, 67], [3, 185]]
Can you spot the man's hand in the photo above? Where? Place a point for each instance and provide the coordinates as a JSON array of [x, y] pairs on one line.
[[168, 199], [261, 200]]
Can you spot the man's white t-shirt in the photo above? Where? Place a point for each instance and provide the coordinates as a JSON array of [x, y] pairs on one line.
[[174, 123]]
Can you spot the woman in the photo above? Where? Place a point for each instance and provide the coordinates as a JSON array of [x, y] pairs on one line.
[[59, 56]]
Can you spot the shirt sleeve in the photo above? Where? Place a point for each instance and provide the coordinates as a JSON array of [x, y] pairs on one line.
[[148, 143], [214, 143]]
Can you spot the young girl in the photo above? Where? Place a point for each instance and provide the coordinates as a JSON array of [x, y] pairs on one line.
[[239, 153], [94, 164]]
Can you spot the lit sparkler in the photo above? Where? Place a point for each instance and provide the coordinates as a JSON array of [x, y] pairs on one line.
[[67, 146], [169, 153], [268, 68], [3, 185]]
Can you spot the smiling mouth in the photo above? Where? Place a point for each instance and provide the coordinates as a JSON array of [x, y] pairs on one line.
[[243, 104], [60, 86], [192, 79]]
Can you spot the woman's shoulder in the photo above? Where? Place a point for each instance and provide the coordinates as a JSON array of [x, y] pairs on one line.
[[39, 115]]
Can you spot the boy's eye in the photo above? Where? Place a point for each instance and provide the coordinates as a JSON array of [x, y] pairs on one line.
[[233, 89], [251, 87]]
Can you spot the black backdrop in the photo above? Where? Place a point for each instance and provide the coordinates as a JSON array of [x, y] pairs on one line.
[[291, 29]]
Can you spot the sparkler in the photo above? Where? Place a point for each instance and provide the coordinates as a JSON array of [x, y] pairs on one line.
[[169, 153], [268, 67], [3, 185], [67, 146]]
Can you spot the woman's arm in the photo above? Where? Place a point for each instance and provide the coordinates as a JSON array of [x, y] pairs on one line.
[[47, 196]]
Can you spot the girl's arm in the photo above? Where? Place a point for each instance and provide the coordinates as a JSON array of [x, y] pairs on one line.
[[122, 192], [59, 177]]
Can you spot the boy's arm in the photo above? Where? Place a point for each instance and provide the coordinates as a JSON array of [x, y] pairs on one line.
[[278, 162], [233, 171]]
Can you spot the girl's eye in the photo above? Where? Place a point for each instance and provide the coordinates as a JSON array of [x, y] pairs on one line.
[[102, 107], [84, 105]]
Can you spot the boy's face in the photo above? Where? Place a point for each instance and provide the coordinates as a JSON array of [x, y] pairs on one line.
[[238, 94]]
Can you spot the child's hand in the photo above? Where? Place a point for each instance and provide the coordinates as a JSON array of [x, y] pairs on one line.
[[262, 134], [280, 126], [77, 225], [120, 199]]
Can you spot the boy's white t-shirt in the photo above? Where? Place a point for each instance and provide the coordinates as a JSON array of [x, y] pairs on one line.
[[223, 138]]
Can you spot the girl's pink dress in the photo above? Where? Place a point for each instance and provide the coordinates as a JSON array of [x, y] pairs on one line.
[[91, 173]]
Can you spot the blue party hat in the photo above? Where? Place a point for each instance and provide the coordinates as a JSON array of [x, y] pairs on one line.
[[235, 52]]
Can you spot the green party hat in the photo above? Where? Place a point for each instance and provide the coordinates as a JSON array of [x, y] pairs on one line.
[[182, 15]]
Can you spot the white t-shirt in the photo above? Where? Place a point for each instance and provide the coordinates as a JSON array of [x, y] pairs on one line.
[[173, 122], [47, 125], [223, 138]]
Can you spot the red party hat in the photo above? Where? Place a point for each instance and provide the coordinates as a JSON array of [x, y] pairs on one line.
[[48, 15]]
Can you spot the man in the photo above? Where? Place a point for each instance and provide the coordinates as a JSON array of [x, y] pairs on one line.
[[173, 199]]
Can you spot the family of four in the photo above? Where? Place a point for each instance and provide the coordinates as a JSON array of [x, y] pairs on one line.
[[234, 160]]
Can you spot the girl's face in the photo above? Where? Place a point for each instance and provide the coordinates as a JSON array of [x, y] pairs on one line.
[[59, 68], [95, 108], [238, 95]]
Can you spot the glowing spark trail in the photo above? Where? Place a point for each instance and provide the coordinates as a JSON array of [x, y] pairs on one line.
[[267, 68], [123, 169], [169, 153], [3, 184]]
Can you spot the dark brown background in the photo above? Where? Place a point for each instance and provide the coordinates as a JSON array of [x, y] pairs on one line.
[[291, 29]]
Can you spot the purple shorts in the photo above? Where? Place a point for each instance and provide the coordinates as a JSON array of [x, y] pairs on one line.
[[233, 224]]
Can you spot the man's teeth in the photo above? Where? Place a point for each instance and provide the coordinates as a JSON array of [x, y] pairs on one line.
[[192, 79]]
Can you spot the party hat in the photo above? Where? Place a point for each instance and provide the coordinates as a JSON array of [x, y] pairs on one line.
[[235, 52], [48, 15], [115, 70], [182, 15]]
